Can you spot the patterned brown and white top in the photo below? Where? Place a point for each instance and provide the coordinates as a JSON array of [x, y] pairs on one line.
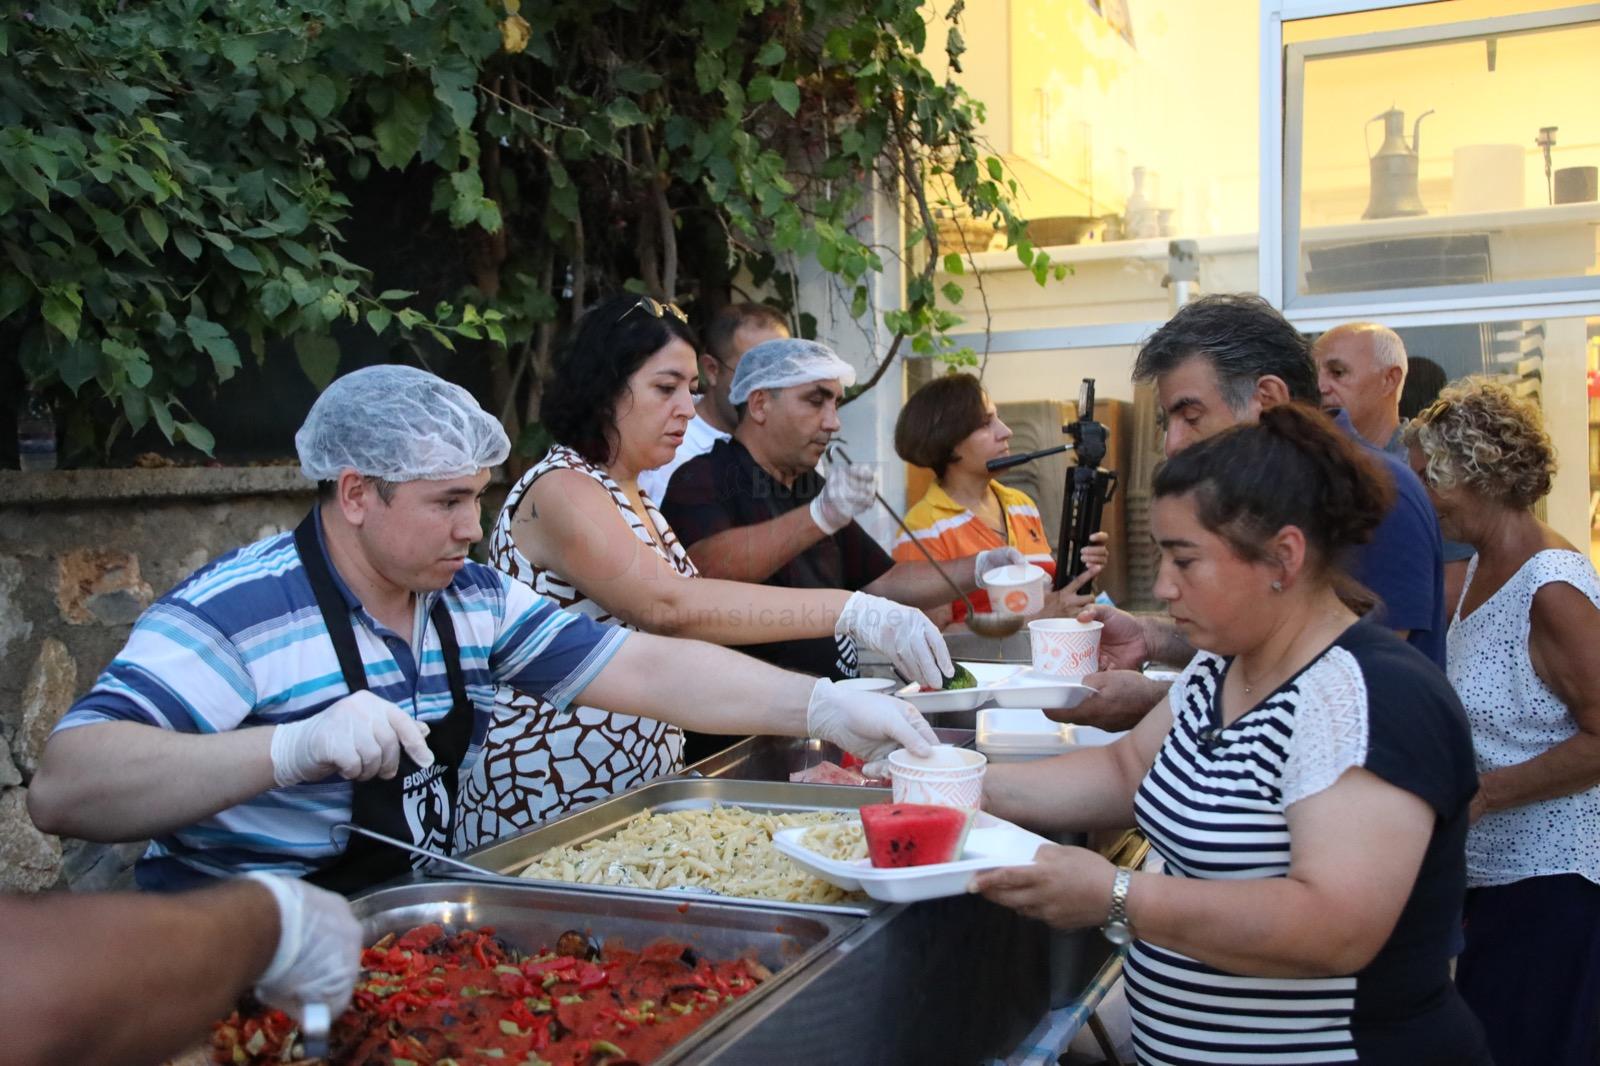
[[538, 762]]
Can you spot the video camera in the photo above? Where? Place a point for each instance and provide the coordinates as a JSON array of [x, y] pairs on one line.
[[1088, 488]]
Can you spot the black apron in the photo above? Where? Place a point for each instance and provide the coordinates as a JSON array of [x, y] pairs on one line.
[[416, 804]]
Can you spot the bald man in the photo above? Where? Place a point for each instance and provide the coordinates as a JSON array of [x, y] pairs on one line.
[[1361, 369]]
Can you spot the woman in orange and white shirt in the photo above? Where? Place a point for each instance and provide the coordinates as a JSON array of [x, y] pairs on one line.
[[950, 426]]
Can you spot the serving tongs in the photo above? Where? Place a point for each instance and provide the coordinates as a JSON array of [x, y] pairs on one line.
[[463, 870], [989, 625]]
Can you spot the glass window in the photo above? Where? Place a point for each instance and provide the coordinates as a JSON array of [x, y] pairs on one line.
[[1461, 154], [1123, 128]]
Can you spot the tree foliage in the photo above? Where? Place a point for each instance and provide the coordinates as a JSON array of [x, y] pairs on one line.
[[177, 177]]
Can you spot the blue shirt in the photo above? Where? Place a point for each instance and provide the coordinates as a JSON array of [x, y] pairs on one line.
[[1403, 563], [241, 643]]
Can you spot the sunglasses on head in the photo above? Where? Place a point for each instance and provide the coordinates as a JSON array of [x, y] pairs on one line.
[[657, 309]]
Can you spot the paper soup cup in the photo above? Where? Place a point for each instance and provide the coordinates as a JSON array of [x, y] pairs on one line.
[[1065, 647], [950, 777], [1016, 589]]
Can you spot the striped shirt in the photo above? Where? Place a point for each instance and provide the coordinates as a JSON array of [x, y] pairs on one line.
[[1214, 806], [950, 531], [240, 643]]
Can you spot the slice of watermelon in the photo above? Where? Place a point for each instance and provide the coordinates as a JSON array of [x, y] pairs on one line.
[[914, 834]]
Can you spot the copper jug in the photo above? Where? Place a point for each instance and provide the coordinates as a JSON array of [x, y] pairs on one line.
[[1394, 168]]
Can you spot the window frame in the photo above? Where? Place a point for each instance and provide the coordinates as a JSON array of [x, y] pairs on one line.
[[1282, 96]]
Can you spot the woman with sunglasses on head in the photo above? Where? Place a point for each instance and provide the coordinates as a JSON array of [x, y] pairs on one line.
[[1306, 781], [951, 426], [578, 529]]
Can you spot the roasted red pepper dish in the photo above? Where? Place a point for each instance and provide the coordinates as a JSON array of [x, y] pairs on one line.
[[432, 998]]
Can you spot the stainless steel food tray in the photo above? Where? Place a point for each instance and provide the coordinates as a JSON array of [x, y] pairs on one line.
[[767, 758], [674, 794], [532, 916]]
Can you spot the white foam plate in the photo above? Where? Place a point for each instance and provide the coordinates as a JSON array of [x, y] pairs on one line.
[[1029, 690], [1014, 730], [989, 677], [993, 842], [957, 699]]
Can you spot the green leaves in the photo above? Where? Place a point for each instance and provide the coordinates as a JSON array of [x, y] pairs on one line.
[[319, 358], [637, 80], [212, 339], [274, 298], [243, 258], [76, 364], [171, 183], [623, 112], [240, 51], [453, 81], [154, 225], [787, 96], [320, 95], [25, 173], [399, 130], [62, 308]]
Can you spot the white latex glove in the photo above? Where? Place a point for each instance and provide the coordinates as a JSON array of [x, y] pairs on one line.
[[849, 490], [319, 948], [904, 634], [869, 725], [984, 562], [359, 737]]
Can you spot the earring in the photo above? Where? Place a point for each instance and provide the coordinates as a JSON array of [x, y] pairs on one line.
[[1277, 586]]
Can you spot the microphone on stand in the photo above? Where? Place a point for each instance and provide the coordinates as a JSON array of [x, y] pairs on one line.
[[1006, 462], [1088, 488]]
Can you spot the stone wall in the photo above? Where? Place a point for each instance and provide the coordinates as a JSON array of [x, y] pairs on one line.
[[82, 553]]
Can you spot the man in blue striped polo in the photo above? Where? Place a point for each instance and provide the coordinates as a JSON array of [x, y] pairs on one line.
[[345, 672]]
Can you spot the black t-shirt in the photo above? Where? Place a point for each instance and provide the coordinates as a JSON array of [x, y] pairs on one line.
[[727, 489], [1214, 805]]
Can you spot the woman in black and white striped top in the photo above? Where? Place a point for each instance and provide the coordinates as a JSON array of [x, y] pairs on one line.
[[1306, 783]]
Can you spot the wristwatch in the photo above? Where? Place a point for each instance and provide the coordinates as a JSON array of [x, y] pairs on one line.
[[1118, 929]]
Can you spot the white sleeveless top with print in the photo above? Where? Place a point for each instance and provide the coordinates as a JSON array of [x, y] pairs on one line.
[[538, 762], [1515, 717]]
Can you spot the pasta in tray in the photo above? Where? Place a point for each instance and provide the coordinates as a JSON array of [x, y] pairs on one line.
[[841, 841], [726, 850]]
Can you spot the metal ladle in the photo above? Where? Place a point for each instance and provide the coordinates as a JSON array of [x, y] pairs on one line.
[[988, 625]]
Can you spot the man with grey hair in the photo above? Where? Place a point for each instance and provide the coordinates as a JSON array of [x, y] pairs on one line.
[[1219, 362], [1361, 370], [346, 672], [754, 508]]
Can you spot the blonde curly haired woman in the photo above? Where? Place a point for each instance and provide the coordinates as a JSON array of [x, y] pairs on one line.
[[1521, 653]]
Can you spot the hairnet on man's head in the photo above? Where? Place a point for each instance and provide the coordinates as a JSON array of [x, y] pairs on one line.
[[398, 423], [777, 364]]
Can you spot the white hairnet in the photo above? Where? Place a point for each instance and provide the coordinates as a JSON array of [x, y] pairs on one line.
[[398, 423], [788, 361]]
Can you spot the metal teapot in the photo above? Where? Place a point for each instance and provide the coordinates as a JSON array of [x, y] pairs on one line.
[[1394, 168]]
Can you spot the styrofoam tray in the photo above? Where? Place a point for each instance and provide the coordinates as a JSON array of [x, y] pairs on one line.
[[1029, 689], [942, 702], [1010, 734], [1021, 731], [993, 842], [987, 675], [1000, 685]]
